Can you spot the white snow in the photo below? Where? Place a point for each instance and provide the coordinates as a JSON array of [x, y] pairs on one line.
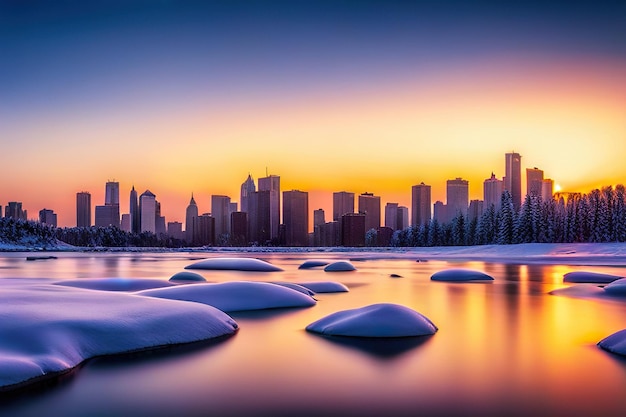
[[315, 263], [324, 286], [46, 329], [297, 287], [235, 295], [340, 266], [617, 287], [589, 277], [460, 275], [615, 343], [187, 276], [234, 264], [115, 284], [376, 320]]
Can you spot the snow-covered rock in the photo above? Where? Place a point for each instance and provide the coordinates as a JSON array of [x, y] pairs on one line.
[[460, 275], [589, 277], [46, 329], [115, 284], [340, 266], [235, 295], [297, 287], [324, 286], [615, 343], [312, 264], [617, 287], [234, 264], [377, 320], [187, 276]]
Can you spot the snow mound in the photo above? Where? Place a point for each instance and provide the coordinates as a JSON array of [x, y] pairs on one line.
[[340, 266], [187, 276], [589, 277], [376, 320], [234, 264], [580, 291], [312, 264], [297, 287], [460, 275], [115, 284], [47, 329], [617, 287], [324, 286], [615, 343], [235, 295]]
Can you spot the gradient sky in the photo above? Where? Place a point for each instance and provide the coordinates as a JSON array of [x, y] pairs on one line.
[[182, 96]]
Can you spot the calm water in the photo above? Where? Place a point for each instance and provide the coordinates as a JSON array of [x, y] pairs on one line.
[[503, 348]]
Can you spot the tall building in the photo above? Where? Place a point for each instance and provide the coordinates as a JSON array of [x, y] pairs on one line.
[[319, 217], [457, 194], [108, 215], [272, 184], [220, 210], [259, 217], [112, 193], [125, 224], [369, 205], [296, 217], [513, 177], [534, 181], [440, 212], [83, 209], [420, 204], [403, 217], [148, 211], [353, 230], [204, 230], [14, 209], [175, 230], [48, 217], [247, 188], [191, 215], [391, 216], [159, 221], [239, 228], [135, 220], [475, 209], [492, 192], [343, 203], [547, 189]]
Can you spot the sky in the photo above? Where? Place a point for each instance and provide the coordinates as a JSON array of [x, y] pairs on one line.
[[362, 96]]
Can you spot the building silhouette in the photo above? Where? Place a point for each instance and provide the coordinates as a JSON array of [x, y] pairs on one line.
[[112, 193], [259, 217], [475, 209], [492, 192], [391, 216], [369, 205], [420, 204], [403, 217], [457, 194], [220, 210], [343, 203], [272, 184], [204, 230], [83, 209], [296, 217], [440, 212], [534, 181], [547, 189], [48, 217], [247, 188], [353, 230], [109, 214], [239, 228], [135, 220], [191, 214], [125, 223], [175, 230], [148, 211], [513, 177]]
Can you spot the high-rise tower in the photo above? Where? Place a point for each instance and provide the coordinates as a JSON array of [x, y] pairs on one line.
[[190, 220], [148, 210], [296, 217], [247, 188], [83, 209], [272, 184], [513, 177], [420, 204], [534, 181], [112, 193], [135, 221], [457, 192], [492, 192], [369, 204]]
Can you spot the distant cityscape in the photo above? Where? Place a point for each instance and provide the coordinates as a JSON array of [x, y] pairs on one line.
[[256, 220]]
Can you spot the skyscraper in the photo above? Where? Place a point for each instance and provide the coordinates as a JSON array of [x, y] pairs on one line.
[[547, 189], [319, 217], [272, 184], [343, 203], [112, 193], [109, 214], [457, 193], [513, 177], [259, 217], [353, 229], [148, 210], [83, 209], [403, 217], [48, 217], [369, 204], [534, 181], [220, 210], [135, 221], [247, 188], [391, 215], [492, 192], [191, 215], [296, 217], [420, 204]]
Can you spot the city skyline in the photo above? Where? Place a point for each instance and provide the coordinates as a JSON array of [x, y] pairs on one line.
[[375, 97]]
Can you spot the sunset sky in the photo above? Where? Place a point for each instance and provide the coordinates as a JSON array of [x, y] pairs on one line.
[[191, 96]]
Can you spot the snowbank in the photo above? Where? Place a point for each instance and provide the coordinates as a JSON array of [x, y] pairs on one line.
[[297, 287], [589, 277], [377, 320], [617, 287], [340, 266], [47, 329], [115, 284], [615, 343], [187, 276], [234, 264], [236, 295], [460, 275], [312, 264], [324, 286]]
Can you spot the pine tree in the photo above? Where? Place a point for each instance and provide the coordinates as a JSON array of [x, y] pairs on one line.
[[506, 220]]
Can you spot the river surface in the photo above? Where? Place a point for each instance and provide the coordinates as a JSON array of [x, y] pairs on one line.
[[505, 347]]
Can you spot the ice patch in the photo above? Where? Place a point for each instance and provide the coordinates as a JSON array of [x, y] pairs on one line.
[[617, 287], [187, 276], [340, 266], [234, 264], [46, 329], [115, 284], [615, 343], [376, 320], [589, 277], [324, 286], [460, 275], [312, 264], [236, 295]]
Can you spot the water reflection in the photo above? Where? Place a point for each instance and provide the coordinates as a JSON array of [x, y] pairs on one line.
[[382, 348]]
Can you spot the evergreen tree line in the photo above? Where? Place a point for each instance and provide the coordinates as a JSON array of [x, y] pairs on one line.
[[599, 216]]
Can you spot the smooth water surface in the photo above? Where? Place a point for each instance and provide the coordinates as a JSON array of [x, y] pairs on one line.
[[504, 347]]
